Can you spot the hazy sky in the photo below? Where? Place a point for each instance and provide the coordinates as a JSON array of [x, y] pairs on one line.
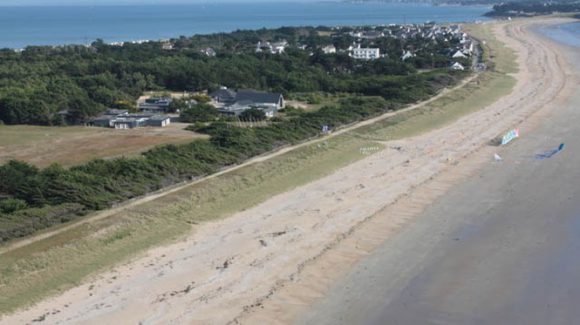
[[123, 2]]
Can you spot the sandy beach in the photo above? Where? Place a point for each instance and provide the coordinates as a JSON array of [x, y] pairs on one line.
[[499, 248], [271, 263]]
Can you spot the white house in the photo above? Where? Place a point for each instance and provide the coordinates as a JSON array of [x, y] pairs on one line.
[[274, 48], [208, 51], [457, 66], [366, 53], [407, 55], [167, 46], [279, 47], [329, 49], [459, 54]]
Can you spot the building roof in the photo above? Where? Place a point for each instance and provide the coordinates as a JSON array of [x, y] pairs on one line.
[[104, 118], [116, 112], [158, 100], [258, 97], [159, 118], [223, 93]]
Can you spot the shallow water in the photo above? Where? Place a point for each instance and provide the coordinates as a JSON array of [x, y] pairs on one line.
[[568, 34]]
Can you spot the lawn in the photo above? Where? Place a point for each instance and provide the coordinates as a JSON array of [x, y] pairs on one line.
[[35, 271], [74, 145]]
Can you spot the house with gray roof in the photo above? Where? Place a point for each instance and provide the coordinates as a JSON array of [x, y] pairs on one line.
[[243, 100], [223, 96], [155, 105], [159, 121], [124, 120]]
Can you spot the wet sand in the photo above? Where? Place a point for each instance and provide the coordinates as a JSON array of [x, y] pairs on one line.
[[501, 248]]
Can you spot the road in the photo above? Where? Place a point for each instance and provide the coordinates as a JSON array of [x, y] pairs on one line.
[[501, 248]]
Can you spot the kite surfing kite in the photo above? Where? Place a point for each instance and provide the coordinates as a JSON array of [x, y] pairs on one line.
[[550, 153]]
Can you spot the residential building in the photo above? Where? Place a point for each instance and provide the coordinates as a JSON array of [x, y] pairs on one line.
[[329, 49], [273, 48], [155, 105], [407, 55], [243, 100], [159, 121], [208, 51], [129, 122], [223, 96], [459, 54], [366, 53], [457, 66], [124, 120], [167, 45]]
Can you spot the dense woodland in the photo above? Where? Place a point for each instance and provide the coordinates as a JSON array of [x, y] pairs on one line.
[[40, 81]]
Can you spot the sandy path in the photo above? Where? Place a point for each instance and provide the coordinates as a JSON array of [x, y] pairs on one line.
[[229, 267]]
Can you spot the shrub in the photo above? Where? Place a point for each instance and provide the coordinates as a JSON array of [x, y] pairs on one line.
[[12, 205]]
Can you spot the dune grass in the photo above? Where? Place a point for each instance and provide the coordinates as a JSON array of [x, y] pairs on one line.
[[49, 266]]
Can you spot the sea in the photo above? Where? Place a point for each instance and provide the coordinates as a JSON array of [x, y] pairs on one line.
[[21, 26], [568, 34]]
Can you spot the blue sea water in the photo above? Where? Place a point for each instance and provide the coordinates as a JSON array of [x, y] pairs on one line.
[[49, 25], [568, 34]]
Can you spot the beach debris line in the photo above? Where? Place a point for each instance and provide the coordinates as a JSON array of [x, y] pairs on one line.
[[550, 153]]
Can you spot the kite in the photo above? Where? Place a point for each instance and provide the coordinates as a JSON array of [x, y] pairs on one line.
[[550, 153]]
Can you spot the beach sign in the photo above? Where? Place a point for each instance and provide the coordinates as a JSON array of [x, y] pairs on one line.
[[511, 135]]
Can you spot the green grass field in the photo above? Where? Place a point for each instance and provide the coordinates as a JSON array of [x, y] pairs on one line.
[[46, 267]]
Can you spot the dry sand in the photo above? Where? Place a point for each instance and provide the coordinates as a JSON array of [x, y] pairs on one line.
[[266, 264]]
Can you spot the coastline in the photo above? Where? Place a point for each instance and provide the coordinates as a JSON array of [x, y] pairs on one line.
[[562, 33], [294, 217], [491, 250]]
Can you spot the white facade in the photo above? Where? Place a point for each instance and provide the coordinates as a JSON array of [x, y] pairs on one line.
[[274, 48], [459, 54], [457, 66], [407, 55], [366, 53], [330, 49]]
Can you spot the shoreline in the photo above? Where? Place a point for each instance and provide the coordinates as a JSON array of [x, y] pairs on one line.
[[488, 251], [305, 294], [215, 248]]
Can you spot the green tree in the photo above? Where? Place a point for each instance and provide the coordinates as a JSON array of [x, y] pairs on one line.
[[253, 114], [199, 113]]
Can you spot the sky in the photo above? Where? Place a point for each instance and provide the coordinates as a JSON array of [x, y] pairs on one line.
[[122, 2]]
